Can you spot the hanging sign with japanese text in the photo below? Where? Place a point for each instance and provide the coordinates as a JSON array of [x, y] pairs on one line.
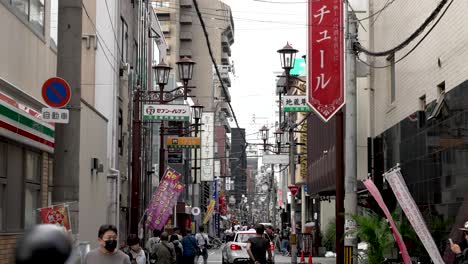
[[207, 147], [295, 103], [166, 112], [325, 91], [183, 142]]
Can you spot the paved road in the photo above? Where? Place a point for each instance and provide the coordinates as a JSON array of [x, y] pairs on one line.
[[215, 257]]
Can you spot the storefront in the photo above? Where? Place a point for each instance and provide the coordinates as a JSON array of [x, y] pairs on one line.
[[26, 147]]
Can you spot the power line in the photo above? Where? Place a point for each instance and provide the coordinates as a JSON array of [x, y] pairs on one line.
[[405, 43], [99, 41], [415, 46], [113, 28]]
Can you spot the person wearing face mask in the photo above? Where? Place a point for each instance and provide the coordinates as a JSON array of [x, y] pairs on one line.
[[134, 251], [107, 253]]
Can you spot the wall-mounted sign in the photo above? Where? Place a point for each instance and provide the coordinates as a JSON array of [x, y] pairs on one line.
[[207, 147], [183, 142], [175, 156], [282, 159], [166, 112], [55, 115], [295, 103]]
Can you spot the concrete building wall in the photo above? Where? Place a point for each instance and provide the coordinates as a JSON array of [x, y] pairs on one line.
[[93, 206], [418, 74], [28, 57]]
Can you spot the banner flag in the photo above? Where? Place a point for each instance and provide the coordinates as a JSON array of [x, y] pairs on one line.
[[164, 199], [209, 211], [411, 210], [378, 198], [56, 215]]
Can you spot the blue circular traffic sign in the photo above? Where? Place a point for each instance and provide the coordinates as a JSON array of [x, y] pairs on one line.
[[56, 92]]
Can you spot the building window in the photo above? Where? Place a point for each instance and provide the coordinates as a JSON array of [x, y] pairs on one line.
[[392, 79], [124, 40], [32, 11], [54, 21], [32, 199], [36, 12]]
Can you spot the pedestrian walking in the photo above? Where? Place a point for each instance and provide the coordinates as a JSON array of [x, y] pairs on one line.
[[134, 251], [107, 253], [190, 248], [176, 231], [285, 241], [165, 252], [151, 245], [278, 240], [202, 241], [174, 239], [461, 249], [258, 247]]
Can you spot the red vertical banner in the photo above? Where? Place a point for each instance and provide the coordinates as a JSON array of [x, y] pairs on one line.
[[325, 91]]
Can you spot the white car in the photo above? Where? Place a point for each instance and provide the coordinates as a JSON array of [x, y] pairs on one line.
[[236, 251]]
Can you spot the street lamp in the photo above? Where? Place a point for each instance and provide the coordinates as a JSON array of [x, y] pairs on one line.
[[185, 66], [287, 56], [278, 135], [161, 75], [197, 111], [264, 135]]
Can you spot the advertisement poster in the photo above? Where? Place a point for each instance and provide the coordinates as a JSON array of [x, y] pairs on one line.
[[56, 215]]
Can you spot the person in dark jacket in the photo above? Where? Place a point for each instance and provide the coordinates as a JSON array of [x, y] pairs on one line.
[[190, 247], [461, 249], [165, 252], [179, 249]]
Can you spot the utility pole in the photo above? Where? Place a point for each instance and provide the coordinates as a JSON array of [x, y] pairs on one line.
[[292, 179], [351, 141], [67, 136], [339, 182]]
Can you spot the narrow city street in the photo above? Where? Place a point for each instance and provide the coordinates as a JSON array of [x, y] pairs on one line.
[[215, 257]]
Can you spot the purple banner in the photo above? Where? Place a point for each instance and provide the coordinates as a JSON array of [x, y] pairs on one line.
[[378, 197], [164, 199]]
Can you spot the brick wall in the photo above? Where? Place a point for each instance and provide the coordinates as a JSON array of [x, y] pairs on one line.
[[7, 248], [418, 74], [45, 179]]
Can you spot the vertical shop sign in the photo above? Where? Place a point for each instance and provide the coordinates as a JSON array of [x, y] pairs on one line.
[[325, 91], [207, 147]]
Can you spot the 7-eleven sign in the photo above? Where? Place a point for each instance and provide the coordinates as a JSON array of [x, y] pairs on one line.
[[293, 189]]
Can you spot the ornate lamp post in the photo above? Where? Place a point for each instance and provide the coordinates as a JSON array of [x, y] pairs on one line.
[[264, 134], [278, 135], [185, 66], [161, 75], [197, 112], [287, 56]]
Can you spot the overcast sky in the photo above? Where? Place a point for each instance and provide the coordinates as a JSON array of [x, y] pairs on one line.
[[261, 29]]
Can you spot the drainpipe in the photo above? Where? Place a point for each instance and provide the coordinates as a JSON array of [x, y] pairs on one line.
[[115, 174]]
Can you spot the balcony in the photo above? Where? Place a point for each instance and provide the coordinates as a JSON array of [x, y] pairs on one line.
[[224, 71], [224, 58], [185, 19], [186, 3], [186, 36], [185, 53]]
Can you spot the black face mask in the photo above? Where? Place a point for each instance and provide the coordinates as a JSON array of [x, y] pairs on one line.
[[111, 244]]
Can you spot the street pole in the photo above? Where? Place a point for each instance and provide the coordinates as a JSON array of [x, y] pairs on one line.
[[351, 134], [194, 183], [67, 136], [339, 206], [292, 174]]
